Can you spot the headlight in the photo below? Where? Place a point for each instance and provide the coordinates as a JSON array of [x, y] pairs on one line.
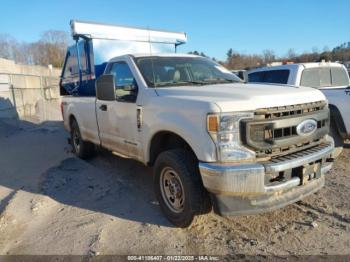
[[224, 129]]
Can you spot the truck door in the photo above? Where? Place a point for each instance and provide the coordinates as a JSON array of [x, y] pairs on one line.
[[117, 120]]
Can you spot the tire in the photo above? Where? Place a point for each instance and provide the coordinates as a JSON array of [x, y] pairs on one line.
[[178, 187], [81, 148], [338, 140]]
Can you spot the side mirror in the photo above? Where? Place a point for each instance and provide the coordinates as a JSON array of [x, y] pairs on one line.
[[105, 88]]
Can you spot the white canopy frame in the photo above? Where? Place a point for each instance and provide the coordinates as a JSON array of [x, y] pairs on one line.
[[123, 33]]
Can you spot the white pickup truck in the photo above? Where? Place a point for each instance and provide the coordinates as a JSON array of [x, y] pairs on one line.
[[211, 139], [330, 78]]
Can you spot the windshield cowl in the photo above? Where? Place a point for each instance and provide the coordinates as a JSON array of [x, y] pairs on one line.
[[195, 83]]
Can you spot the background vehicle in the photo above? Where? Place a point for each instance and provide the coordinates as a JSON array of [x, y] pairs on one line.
[[249, 147], [239, 73], [330, 78], [347, 65]]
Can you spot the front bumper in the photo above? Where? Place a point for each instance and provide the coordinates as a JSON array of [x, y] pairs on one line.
[[253, 188]]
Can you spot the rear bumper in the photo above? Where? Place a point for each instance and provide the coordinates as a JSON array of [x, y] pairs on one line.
[[247, 188]]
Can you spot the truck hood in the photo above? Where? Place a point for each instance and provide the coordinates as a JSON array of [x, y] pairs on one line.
[[244, 97]]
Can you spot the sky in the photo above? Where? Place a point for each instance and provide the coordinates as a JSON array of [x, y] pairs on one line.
[[212, 27]]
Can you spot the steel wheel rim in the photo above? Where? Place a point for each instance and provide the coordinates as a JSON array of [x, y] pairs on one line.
[[172, 190]]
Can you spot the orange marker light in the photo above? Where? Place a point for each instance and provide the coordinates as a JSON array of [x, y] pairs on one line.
[[212, 123]]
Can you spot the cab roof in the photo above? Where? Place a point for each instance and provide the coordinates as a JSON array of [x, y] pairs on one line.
[[155, 55], [296, 66], [165, 55]]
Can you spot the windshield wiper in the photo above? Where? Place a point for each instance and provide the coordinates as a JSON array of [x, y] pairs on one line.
[[194, 82], [220, 81], [179, 83], [197, 82]]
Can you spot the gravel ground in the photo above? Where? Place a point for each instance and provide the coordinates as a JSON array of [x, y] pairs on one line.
[[52, 203]]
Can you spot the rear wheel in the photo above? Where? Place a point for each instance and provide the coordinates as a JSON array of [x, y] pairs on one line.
[[80, 147], [179, 188]]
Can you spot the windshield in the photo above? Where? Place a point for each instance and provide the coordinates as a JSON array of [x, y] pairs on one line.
[[175, 71]]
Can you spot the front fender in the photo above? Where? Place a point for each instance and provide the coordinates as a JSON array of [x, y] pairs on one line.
[[190, 126]]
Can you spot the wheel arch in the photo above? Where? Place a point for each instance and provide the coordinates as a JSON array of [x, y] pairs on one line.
[[71, 118], [166, 140], [336, 116]]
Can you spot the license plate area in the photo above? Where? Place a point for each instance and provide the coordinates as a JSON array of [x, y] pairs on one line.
[[306, 173], [310, 172]]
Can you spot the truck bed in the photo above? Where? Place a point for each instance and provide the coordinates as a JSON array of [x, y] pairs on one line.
[[84, 111]]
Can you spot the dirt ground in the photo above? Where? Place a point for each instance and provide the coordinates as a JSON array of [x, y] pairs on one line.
[[54, 203]]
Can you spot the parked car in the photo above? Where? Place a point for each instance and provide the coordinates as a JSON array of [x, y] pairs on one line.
[[330, 78], [211, 139]]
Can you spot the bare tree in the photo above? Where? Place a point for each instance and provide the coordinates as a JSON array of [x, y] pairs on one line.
[[240, 61], [229, 54], [53, 45], [50, 49], [315, 50], [197, 53], [291, 54], [6, 44], [269, 56]]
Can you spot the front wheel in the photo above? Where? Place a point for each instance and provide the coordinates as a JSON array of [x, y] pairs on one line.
[[179, 188]]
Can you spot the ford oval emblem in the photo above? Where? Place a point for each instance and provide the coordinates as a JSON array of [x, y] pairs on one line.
[[307, 127]]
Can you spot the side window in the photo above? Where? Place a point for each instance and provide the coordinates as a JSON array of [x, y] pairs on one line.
[[125, 84], [272, 76], [276, 76], [71, 67], [67, 71], [83, 57], [256, 77]]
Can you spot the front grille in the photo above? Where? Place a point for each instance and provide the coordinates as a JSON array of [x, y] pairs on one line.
[[273, 131], [292, 110]]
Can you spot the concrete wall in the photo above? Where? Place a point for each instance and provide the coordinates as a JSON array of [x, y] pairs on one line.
[[29, 92], [9, 66]]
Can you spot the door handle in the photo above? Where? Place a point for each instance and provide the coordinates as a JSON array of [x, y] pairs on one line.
[[103, 107]]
